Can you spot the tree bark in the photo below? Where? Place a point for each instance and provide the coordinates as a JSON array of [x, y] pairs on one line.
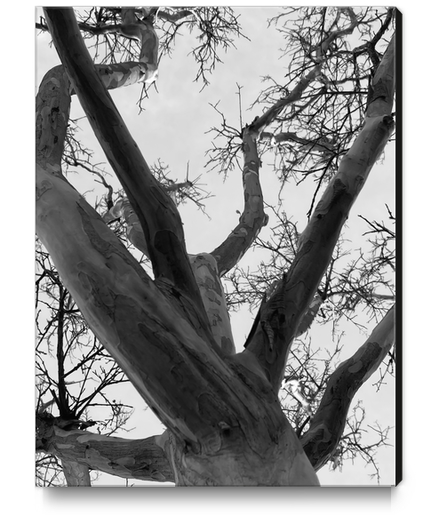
[[142, 459], [279, 317], [156, 211], [145, 459], [253, 217], [327, 425], [225, 423], [205, 271], [76, 474]]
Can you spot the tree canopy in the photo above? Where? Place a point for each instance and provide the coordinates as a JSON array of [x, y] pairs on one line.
[[120, 295]]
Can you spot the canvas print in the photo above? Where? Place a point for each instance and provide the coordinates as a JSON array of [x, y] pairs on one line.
[[215, 252]]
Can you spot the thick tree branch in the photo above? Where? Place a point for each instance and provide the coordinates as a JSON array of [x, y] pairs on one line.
[[155, 210], [119, 74], [76, 474], [143, 31], [53, 105], [279, 317], [309, 315], [204, 269], [133, 28], [382, 87], [175, 16], [90, 260], [52, 117], [140, 459], [197, 395], [207, 277], [253, 217], [327, 426], [141, 327]]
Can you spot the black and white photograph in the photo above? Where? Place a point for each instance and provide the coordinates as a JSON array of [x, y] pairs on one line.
[[217, 190]]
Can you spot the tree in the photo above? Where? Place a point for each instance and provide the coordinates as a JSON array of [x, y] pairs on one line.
[[165, 323]]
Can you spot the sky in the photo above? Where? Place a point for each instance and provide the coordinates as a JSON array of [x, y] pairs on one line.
[[173, 128]]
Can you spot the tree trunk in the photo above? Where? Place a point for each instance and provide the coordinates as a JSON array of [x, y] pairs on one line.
[[225, 423], [75, 473]]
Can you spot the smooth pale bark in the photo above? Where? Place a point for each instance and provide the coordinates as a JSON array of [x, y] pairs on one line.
[[327, 425], [142, 31], [204, 268], [145, 459], [76, 474], [222, 416], [156, 211], [225, 423], [309, 316], [253, 218], [207, 277], [221, 410], [142, 459], [118, 75]]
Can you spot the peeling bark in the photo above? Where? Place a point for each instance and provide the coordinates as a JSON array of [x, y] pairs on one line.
[[214, 409], [76, 474], [161, 458], [309, 316], [120, 302], [383, 84], [208, 280], [225, 423], [326, 427], [143, 31], [164, 459], [142, 459], [279, 317], [204, 268], [156, 211], [52, 117], [242, 463], [253, 218]]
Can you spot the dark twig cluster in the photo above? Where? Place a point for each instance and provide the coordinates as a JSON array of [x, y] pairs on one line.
[[73, 371]]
